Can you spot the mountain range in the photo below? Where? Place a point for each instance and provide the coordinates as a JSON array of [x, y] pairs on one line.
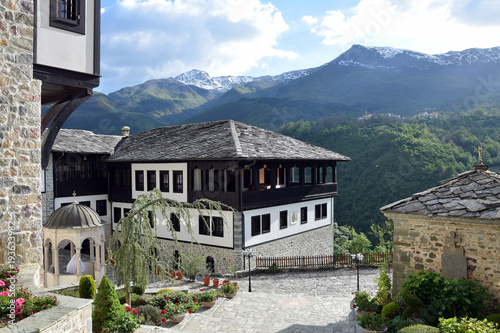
[[362, 79]]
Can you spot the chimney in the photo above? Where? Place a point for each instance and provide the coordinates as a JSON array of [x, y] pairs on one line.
[[125, 131]]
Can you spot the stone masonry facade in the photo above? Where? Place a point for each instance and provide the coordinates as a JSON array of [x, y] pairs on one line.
[[20, 138], [314, 242], [420, 242]]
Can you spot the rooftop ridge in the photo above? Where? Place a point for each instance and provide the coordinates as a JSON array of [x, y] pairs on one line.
[[237, 144]]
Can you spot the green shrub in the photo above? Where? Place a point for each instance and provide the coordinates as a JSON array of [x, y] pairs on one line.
[[106, 305], [86, 288], [160, 300], [384, 286], [138, 289], [134, 299], [164, 290], [398, 323], [152, 316], [363, 301], [494, 318], [414, 306], [419, 329], [371, 321], [391, 310], [454, 325], [462, 298], [427, 286]]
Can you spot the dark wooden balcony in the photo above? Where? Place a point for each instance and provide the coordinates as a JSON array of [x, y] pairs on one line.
[[262, 198], [228, 198]]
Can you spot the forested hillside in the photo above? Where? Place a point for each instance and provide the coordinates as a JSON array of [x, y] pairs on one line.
[[392, 159]]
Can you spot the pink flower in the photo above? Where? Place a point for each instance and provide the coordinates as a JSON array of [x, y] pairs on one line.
[[2, 284]]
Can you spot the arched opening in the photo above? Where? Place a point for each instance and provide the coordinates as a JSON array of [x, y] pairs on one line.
[[210, 264], [177, 260]]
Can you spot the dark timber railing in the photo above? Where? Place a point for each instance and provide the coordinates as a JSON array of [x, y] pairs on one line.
[[335, 260]]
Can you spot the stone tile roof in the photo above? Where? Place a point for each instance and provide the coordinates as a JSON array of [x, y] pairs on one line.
[[80, 141], [472, 194], [226, 139]]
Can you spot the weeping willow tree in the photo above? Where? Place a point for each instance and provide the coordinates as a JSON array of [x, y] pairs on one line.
[[134, 250]]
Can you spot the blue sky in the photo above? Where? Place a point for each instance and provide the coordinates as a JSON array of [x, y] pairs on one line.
[[151, 39]]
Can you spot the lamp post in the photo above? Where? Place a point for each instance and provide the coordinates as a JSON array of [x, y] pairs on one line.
[[357, 258], [249, 254]]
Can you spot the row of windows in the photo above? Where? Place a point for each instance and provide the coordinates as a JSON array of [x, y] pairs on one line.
[[214, 180], [206, 226], [80, 170], [261, 224], [164, 181], [101, 206]]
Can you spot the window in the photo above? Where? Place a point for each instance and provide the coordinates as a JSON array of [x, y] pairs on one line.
[[283, 219], [330, 177], [139, 180], [116, 177], [176, 224], [68, 15], [164, 181], [230, 181], [151, 180], [204, 225], [320, 211], [151, 218], [126, 211], [101, 207], [266, 223], [255, 225], [65, 204], [265, 176], [303, 215], [281, 176], [308, 175], [84, 203], [217, 226], [294, 175], [178, 187], [197, 181], [320, 175], [247, 178], [213, 180], [117, 214], [126, 177]]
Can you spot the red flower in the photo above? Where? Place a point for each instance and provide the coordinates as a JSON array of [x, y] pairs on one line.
[[190, 311], [370, 310], [354, 306], [168, 299], [163, 311], [201, 289], [194, 301], [385, 324], [176, 303], [136, 312], [163, 320], [393, 312]]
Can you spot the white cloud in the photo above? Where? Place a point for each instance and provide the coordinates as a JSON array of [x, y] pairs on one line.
[[430, 26], [160, 38], [309, 19]]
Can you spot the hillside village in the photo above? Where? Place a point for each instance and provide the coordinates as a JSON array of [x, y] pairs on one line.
[[68, 196]]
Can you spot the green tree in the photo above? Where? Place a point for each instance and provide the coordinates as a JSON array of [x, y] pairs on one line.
[[360, 244], [135, 252], [106, 305], [384, 233]]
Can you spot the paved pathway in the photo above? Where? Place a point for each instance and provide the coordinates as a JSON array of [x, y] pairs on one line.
[[312, 301]]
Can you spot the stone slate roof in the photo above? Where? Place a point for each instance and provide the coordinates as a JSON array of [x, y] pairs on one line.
[[85, 142], [223, 140], [472, 194]]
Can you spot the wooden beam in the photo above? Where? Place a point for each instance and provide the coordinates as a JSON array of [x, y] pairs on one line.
[[58, 120]]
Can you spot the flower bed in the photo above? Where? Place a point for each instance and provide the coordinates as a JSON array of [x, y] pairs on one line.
[[18, 304]]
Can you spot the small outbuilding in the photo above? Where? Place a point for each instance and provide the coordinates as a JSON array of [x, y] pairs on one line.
[[68, 229], [453, 229]]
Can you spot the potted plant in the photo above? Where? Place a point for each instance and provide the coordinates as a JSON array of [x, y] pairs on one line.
[[180, 274], [216, 282], [126, 322], [229, 288], [371, 321], [362, 302], [208, 298], [206, 278], [174, 312]]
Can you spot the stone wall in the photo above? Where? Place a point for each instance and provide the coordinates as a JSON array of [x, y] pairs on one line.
[[420, 242], [20, 199], [226, 259], [314, 242]]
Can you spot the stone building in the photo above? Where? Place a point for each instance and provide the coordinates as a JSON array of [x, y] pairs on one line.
[[453, 229], [282, 189]]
